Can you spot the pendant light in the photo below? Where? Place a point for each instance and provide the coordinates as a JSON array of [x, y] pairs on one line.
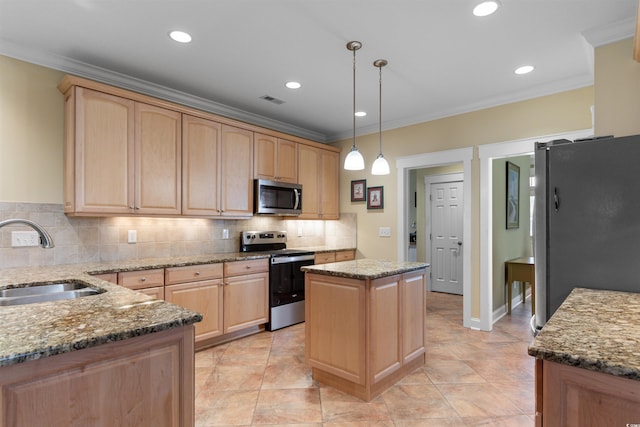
[[380, 166], [354, 160]]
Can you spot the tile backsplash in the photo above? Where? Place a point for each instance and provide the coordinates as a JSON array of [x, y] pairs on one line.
[[81, 240]]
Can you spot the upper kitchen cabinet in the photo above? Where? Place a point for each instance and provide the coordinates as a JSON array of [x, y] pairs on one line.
[[319, 175], [275, 159], [121, 156], [217, 170]]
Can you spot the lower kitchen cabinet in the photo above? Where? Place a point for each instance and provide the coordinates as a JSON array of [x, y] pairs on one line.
[[198, 288], [246, 294], [142, 381], [327, 257], [150, 282]]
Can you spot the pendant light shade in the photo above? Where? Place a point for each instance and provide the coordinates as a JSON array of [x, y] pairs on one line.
[[380, 166], [354, 160]]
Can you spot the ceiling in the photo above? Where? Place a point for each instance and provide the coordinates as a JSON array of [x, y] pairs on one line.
[[442, 59]]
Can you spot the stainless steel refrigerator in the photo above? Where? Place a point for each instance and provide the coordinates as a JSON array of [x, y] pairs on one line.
[[587, 219]]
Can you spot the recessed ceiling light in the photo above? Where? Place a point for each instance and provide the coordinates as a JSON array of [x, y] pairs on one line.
[[361, 113], [180, 36], [525, 69], [485, 8], [293, 85]]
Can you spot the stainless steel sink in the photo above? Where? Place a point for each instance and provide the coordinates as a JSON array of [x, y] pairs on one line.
[[44, 292]]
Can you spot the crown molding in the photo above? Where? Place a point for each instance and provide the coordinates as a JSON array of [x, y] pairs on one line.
[[611, 33]]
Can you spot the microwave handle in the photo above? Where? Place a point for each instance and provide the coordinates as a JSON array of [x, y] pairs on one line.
[[297, 203]]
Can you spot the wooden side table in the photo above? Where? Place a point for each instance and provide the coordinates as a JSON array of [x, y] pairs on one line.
[[521, 270]]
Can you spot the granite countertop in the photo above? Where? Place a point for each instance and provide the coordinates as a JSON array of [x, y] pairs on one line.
[[364, 268], [595, 330], [324, 249], [34, 331]]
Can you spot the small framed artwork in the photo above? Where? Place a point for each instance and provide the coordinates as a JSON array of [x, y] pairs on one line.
[[358, 190], [513, 195], [375, 198]]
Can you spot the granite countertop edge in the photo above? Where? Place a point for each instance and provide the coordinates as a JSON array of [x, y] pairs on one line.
[[596, 330], [364, 269]]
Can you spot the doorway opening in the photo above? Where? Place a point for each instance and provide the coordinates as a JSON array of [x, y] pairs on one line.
[[404, 166]]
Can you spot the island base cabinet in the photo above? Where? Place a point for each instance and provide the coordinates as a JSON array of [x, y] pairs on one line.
[[142, 381], [363, 336], [568, 396]]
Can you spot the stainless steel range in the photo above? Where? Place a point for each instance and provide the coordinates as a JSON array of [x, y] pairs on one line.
[[286, 281]]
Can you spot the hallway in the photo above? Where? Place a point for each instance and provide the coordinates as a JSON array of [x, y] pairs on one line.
[[471, 378]]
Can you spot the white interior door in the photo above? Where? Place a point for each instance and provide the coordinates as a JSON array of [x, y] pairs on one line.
[[446, 200]]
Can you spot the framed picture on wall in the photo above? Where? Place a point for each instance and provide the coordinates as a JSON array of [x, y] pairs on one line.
[[513, 195], [358, 190], [375, 198]]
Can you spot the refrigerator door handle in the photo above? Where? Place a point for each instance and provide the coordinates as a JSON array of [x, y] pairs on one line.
[[556, 199]]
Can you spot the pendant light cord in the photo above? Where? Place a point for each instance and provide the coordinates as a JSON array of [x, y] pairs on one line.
[[380, 115], [354, 99]]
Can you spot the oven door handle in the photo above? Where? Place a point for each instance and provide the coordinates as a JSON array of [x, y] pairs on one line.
[[293, 258]]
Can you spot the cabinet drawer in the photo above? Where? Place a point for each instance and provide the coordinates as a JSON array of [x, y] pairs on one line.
[[237, 268], [109, 277], [192, 273], [345, 255], [324, 258], [142, 278], [157, 292]]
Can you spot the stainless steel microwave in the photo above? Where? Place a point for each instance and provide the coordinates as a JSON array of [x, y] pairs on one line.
[[277, 198]]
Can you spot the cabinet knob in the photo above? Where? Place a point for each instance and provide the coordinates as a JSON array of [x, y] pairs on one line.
[[197, 273], [248, 267], [143, 279], [130, 206]]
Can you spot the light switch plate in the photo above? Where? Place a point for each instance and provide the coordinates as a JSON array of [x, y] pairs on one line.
[[132, 236], [225, 233], [385, 232]]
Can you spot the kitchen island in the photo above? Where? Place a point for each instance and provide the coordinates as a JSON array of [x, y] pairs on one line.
[[588, 361], [365, 323], [115, 358]]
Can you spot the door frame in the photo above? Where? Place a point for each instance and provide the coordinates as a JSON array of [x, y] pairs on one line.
[[428, 160], [487, 153], [433, 179]]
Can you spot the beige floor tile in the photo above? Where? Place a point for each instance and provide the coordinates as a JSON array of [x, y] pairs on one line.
[[478, 400], [470, 378], [288, 406]]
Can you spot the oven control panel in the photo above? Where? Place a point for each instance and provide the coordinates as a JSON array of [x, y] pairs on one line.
[[263, 237]]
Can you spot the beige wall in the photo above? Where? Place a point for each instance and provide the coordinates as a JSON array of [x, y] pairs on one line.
[[31, 133], [617, 90]]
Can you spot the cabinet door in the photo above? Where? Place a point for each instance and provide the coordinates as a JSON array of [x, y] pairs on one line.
[[324, 258], [413, 315], [345, 255], [264, 150], [104, 166], [236, 180], [158, 155], [204, 297], [200, 171], [287, 161], [246, 301], [385, 329], [330, 191], [309, 177]]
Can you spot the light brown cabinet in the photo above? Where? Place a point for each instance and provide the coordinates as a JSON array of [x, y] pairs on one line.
[[198, 288], [337, 256], [150, 282], [364, 335], [569, 396], [217, 176], [141, 381], [246, 294], [318, 172], [275, 159], [121, 156]]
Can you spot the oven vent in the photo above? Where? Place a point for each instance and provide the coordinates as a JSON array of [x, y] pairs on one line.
[[272, 99]]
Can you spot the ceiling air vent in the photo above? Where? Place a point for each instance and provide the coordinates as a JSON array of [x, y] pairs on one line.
[[272, 99]]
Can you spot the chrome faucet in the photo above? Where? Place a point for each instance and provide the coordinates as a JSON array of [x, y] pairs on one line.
[[45, 238]]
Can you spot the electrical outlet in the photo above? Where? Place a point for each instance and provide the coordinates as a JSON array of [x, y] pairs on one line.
[[25, 238], [225, 233], [384, 232], [299, 231], [132, 236]]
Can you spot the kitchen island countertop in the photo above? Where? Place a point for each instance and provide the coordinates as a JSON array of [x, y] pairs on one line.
[[34, 331], [364, 268], [595, 330]]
